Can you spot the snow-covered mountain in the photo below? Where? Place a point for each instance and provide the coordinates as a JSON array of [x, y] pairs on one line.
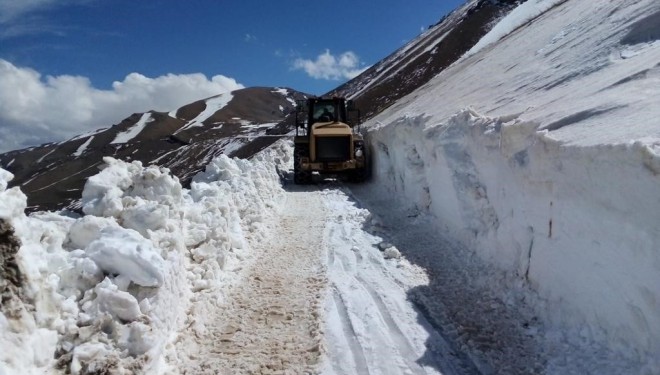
[[424, 57], [53, 175], [511, 225], [183, 140]]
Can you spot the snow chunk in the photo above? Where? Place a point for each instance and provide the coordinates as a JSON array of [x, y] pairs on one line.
[[392, 253], [384, 245], [12, 202], [221, 168], [104, 193], [111, 300], [86, 353], [5, 177], [87, 229], [127, 253], [389, 251]]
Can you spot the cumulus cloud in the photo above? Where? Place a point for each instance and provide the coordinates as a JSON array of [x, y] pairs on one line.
[[36, 109], [330, 67]]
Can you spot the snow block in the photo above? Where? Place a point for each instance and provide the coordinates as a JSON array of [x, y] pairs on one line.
[[117, 303], [125, 252]]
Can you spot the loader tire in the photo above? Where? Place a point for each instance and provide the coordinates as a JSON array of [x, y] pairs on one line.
[[300, 176]]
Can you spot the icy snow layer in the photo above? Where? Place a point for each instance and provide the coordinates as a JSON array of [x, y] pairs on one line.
[[108, 289], [553, 173]]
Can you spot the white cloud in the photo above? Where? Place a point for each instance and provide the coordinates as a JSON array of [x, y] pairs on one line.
[[26, 17], [12, 9], [35, 110], [330, 67]]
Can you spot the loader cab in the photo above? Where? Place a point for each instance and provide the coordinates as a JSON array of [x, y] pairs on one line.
[[325, 110]]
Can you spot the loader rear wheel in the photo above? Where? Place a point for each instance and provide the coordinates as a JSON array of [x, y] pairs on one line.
[[300, 176], [359, 175]]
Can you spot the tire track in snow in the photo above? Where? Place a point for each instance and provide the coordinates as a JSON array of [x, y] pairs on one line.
[[381, 336], [357, 351], [402, 343]]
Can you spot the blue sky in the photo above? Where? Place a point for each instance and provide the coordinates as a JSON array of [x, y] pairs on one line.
[[90, 47]]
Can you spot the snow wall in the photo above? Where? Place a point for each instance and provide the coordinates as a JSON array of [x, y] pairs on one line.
[[574, 214], [107, 291]]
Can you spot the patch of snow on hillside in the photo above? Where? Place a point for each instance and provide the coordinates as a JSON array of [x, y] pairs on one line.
[[213, 105], [88, 134], [255, 127], [281, 91], [46, 154], [134, 130], [286, 94], [83, 147]]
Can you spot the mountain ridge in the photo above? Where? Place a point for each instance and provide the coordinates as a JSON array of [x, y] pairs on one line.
[[53, 174]]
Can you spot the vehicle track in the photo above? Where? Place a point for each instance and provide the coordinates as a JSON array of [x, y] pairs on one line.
[[357, 352], [383, 335], [270, 322], [317, 259]]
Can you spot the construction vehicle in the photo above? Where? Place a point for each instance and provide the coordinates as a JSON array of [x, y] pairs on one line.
[[327, 140]]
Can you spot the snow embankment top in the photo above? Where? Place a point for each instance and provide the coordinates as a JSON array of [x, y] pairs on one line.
[[586, 72]]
